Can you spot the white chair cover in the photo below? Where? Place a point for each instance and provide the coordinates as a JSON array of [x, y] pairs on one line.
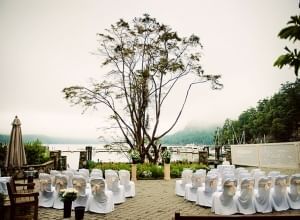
[[279, 196], [61, 182], [70, 175], [272, 175], [3, 184], [223, 203], [129, 186], [53, 173], [96, 172], [242, 176], [79, 183], [257, 175], [113, 184], [84, 172], [262, 195], [186, 177], [100, 200], [205, 193], [198, 179], [294, 192], [245, 197], [47, 191]]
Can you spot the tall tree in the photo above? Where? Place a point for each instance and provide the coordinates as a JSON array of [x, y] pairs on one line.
[[147, 60], [292, 57]]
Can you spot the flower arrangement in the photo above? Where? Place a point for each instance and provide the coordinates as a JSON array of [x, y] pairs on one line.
[[147, 173], [166, 156], [135, 156], [68, 194]]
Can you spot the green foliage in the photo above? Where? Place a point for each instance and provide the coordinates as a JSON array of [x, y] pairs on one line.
[[152, 171], [69, 194], [155, 171], [36, 153], [166, 156], [275, 119], [292, 57], [91, 164], [2, 155], [113, 166], [177, 168], [189, 136]]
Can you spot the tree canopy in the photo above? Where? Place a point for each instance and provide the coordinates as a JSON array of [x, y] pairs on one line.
[[146, 60], [292, 57], [276, 119]]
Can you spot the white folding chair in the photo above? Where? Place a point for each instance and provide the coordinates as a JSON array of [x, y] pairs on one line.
[[79, 183], [278, 193], [294, 192], [47, 191], [113, 184], [205, 193], [198, 179], [70, 175], [186, 177], [245, 197], [223, 203], [129, 186], [60, 182], [100, 200], [53, 173], [262, 195]]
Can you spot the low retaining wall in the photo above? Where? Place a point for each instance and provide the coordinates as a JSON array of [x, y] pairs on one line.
[[273, 155]]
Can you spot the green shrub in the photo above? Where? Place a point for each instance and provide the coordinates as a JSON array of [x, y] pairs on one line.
[[147, 170], [177, 168], [144, 170], [112, 166], [36, 153]]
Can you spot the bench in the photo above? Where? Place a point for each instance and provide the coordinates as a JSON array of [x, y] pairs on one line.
[[235, 217]]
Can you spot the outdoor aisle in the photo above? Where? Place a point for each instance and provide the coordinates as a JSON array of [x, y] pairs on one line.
[[155, 199]]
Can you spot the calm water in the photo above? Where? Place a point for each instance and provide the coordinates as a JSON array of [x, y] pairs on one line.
[[72, 153]]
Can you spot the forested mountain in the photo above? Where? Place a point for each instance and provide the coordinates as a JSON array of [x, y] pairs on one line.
[[50, 140], [274, 119], [190, 135]]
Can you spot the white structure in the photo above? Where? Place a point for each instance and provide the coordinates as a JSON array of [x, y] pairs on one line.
[[276, 155]]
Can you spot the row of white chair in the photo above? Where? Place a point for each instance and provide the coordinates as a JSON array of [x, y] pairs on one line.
[[228, 190], [95, 193]]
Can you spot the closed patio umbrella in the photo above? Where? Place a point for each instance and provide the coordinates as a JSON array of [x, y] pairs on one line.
[[15, 156]]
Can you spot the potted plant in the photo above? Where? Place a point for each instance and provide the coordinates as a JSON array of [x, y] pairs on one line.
[[166, 156], [135, 156], [67, 196]]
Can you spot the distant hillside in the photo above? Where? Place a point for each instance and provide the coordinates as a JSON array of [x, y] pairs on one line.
[[51, 140], [191, 135]]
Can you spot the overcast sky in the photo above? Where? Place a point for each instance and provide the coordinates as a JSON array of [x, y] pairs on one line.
[[46, 45]]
